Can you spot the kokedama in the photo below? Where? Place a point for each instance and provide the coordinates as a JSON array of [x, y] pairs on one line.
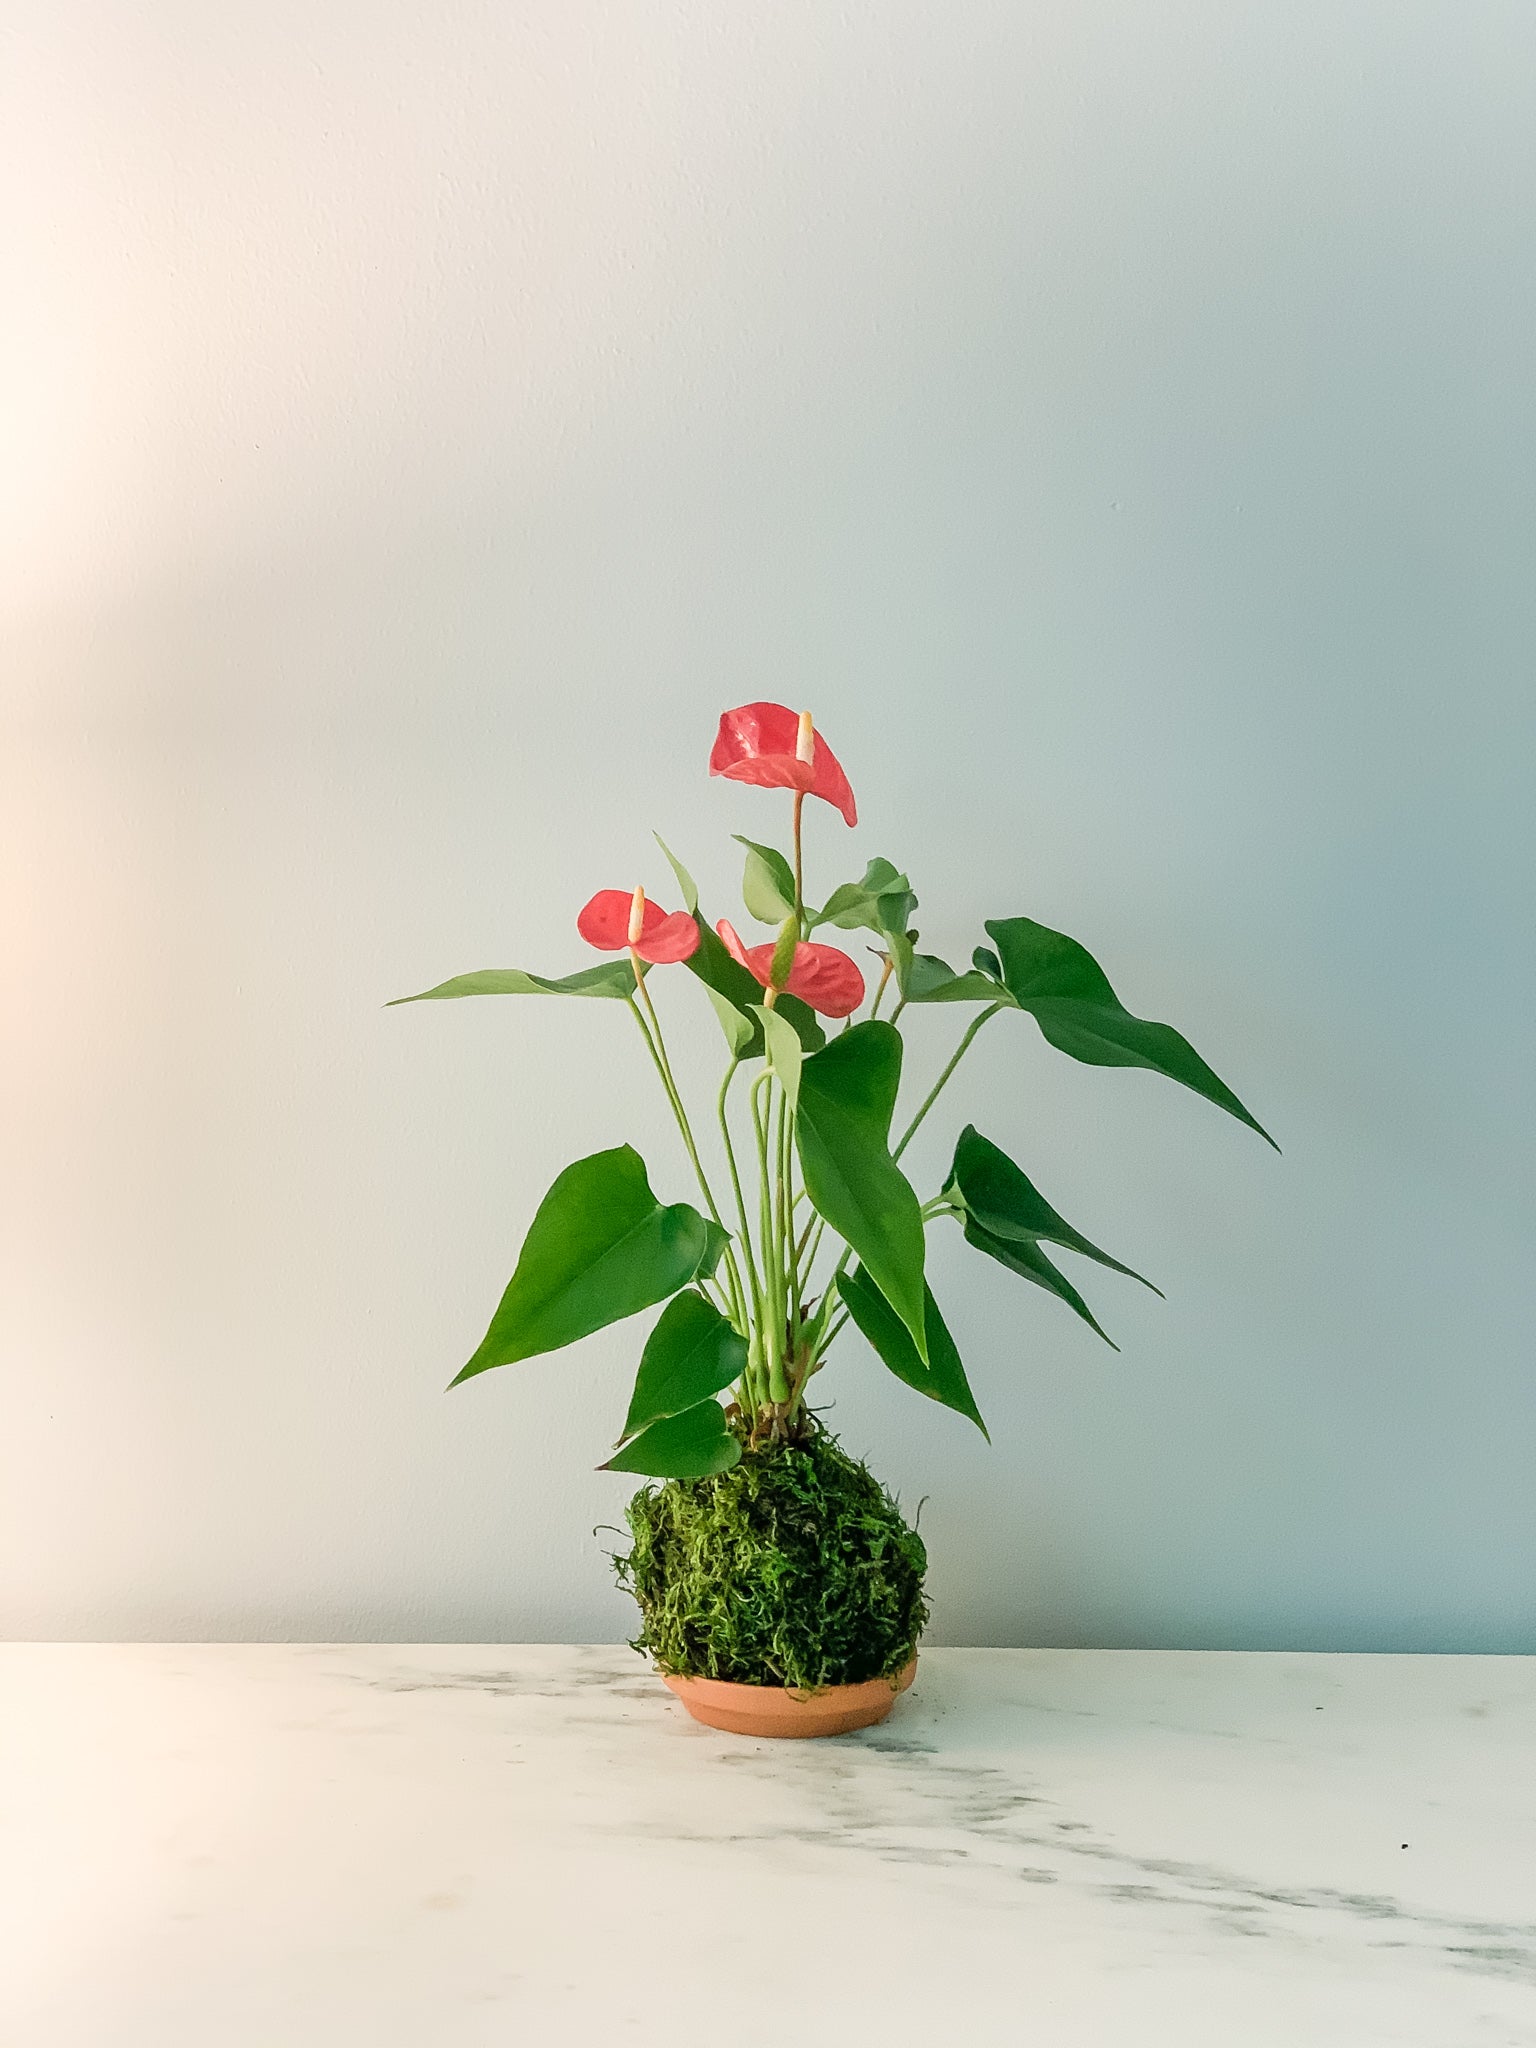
[[767, 1558]]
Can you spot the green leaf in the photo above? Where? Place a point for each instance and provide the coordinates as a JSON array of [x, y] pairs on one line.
[[741, 1034], [685, 881], [784, 1051], [612, 978], [691, 1355], [600, 1248], [1007, 1204], [692, 1445], [847, 1096], [883, 902], [1068, 994], [925, 978], [1024, 1257], [768, 885], [727, 977], [716, 1238], [943, 1378]]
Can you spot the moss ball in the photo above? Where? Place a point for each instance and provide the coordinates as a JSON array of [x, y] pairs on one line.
[[794, 1568]]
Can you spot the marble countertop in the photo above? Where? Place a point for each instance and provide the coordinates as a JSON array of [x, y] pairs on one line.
[[229, 1846]]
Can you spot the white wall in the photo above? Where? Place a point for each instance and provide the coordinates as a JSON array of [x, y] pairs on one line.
[[1115, 419]]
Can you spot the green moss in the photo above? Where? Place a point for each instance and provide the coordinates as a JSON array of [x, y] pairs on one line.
[[795, 1568]]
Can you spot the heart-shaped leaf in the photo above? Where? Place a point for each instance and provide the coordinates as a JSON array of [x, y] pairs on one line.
[[690, 1445], [691, 1355], [883, 902], [1068, 994], [611, 978], [1007, 1204], [932, 980], [600, 1248], [768, 885], [943, 1377], [925, 978], [843, 1130]]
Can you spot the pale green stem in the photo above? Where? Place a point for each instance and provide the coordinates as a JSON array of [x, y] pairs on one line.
[[664, 1068], [754, 1322], [799, 806], [821, 1335], [936, 1090], [819, 1340], [792, 1249], [730, 1159], [885, 975], [657, 1049], [773, 1334], [808, 1259], [787, 1226], [812, 1222]]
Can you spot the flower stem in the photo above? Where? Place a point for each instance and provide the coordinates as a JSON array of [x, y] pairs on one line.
[[756, 1320], [656, 1047], [885, 975], [730, 1160], [772, 1333], [799, 806]]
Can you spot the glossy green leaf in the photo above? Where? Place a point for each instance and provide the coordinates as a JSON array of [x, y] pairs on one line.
[[1007, 1204], [600, 1248], [785, 1054], [847, 1097], [716, 1238], [1068, 994], [768, 885], [692, 1445], [612, 978], [883, 902], [925, 978], [1024, 1257], [943, 1377], [727, 977], [691, 1355], [685, 881]]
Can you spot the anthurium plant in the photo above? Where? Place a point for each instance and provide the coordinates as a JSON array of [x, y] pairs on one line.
[[802, 1219]]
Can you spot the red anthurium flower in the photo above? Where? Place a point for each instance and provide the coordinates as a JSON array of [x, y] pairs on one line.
[[609, 923], [821, 976], [772, 746]]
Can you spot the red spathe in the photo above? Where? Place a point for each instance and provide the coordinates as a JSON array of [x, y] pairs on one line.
[[822, 976], [665, 936], [756, 743]]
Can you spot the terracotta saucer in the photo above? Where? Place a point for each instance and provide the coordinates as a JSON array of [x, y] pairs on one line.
[[775, 1710]]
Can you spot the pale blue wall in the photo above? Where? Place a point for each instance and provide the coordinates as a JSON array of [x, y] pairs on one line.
[[1116, 420]]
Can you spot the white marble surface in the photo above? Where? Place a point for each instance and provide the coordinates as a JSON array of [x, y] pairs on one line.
[[282, 1847]]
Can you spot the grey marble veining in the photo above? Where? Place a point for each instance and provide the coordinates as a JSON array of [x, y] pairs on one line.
[[269, 1847]]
